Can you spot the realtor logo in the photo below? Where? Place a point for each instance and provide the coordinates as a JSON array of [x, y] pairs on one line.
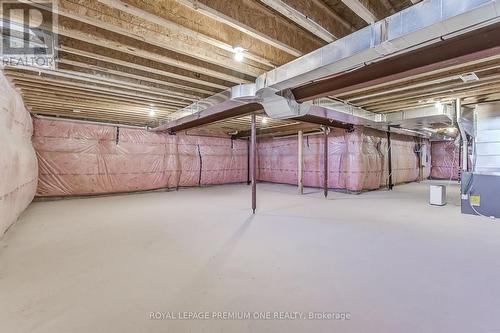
[[29, 36]]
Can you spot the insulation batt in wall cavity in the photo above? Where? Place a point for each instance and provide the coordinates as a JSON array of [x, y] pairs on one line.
[[445, 160], [18, 163], [357, 160], [80, 159]]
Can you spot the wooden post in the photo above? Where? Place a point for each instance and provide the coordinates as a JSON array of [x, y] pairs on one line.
[[300, 163], [253, 163]]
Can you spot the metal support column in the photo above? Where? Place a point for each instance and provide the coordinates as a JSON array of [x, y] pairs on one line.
[[253, 163], [300, 162], [420, 160], [325, 164], [249, 181], [465, 145], [389, 157]]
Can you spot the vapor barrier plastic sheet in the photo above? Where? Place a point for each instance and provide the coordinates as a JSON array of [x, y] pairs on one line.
[[79, 159], [18, 164], [445, 160], [356, 161]]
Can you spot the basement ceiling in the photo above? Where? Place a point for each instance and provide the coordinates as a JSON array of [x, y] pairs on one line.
[[120, 59]]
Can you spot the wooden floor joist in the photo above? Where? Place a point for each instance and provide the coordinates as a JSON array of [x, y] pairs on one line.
[[118, 59]]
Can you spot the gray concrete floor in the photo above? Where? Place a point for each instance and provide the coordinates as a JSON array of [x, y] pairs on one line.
[[390, 260]]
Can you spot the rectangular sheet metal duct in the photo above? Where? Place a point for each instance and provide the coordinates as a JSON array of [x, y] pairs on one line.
[[487, 139], [420, 26], [425, 23]]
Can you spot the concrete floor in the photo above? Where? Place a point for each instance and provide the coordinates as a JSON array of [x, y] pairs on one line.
[[390, 260]]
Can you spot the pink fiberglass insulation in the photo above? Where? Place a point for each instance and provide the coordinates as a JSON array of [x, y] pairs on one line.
[[18, 164], [445, 160], [357, 160], [80, 159]]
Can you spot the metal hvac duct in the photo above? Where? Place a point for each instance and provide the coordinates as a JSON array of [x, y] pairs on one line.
[[425, 23], [421, 25], [487, 139], [481, 187]]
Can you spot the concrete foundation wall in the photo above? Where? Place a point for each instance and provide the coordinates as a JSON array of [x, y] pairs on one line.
[[445, 160], [18, 164], [357, 160], [80, 159]]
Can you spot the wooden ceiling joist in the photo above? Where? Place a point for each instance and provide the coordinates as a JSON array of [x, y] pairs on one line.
[[119, 43], [125, 74], [94, 13], [162, 18], [85, 92], [125, 60], [302, 19], [258, 22], [416, 81], [361, 8], [75, 79], [120, 59], [422, 93], [40, 95], [84, 95]]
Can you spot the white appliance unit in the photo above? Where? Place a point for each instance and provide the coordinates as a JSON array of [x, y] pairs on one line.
[[437, 195]]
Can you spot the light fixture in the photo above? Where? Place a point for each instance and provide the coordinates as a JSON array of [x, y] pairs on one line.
[[152, 112], [76, 111], [451, 130], [239, 53], [469, 77], [439, 105], [264, 120]]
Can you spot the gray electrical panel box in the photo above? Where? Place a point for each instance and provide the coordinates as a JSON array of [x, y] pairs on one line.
[[424, 157]]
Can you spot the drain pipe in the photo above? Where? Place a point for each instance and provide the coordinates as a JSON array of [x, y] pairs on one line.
[[463, 136]]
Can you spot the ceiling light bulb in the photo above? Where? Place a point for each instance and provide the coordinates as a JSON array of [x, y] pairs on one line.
[[264, 120], [239, 53], [152, 113], [239, 57]]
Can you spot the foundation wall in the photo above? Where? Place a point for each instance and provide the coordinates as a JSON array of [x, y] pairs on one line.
[[18, 164], [83, 159], [357, 160], [445, 160]]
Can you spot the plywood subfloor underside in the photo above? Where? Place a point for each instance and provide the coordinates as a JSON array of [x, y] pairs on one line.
[[391, 260]]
